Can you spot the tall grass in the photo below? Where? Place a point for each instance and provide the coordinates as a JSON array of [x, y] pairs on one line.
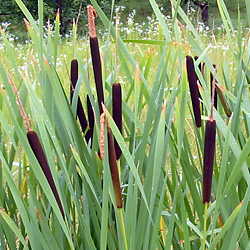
[[161, 165]]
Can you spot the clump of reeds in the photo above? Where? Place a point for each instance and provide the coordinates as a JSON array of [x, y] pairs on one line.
[[194, 90]]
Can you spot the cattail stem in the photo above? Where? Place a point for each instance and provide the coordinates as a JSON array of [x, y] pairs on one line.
[[213, 93], [117, 113], [25, 118], [204, 228], [194, 91], [39, 153], [95, 53]]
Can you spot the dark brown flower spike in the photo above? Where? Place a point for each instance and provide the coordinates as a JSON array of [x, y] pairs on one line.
[[91, 117], [39, 153], [113, 165], [117, 113], [194, 91], [80, 111], [208, 160], [95, 53], [209, 151], [37, 148], [73, 77], [114, 168]]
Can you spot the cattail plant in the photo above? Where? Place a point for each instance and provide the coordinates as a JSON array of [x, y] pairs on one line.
[[112, 159], [117, 113], [209, 150], [95, 53], [40, 156], [80, 111], [37, 149], [192, 79], [208, 159]]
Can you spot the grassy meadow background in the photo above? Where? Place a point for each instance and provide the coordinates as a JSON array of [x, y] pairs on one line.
[[162, 149]]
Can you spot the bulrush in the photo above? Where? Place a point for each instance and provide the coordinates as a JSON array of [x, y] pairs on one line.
[[209, 149], [96, 60], [192, 79], [80, 111], [37, 148], [117, 113], [41, 158], [208, 160], [113, 165], [114, 168]]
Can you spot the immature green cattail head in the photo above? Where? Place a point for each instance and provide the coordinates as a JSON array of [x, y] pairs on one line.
[[39, 153], [194, 90], [117, 113], [208, 160]]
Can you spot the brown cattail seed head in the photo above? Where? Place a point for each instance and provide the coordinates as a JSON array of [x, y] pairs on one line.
[[80, 111], [95, 53], [114, 168], [194, 91], [91, 117], [117, 113], [208, 160], [39, 153], [73, 77]]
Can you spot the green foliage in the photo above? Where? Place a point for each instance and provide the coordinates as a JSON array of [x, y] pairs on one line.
[[162, 149], [71, 9]]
